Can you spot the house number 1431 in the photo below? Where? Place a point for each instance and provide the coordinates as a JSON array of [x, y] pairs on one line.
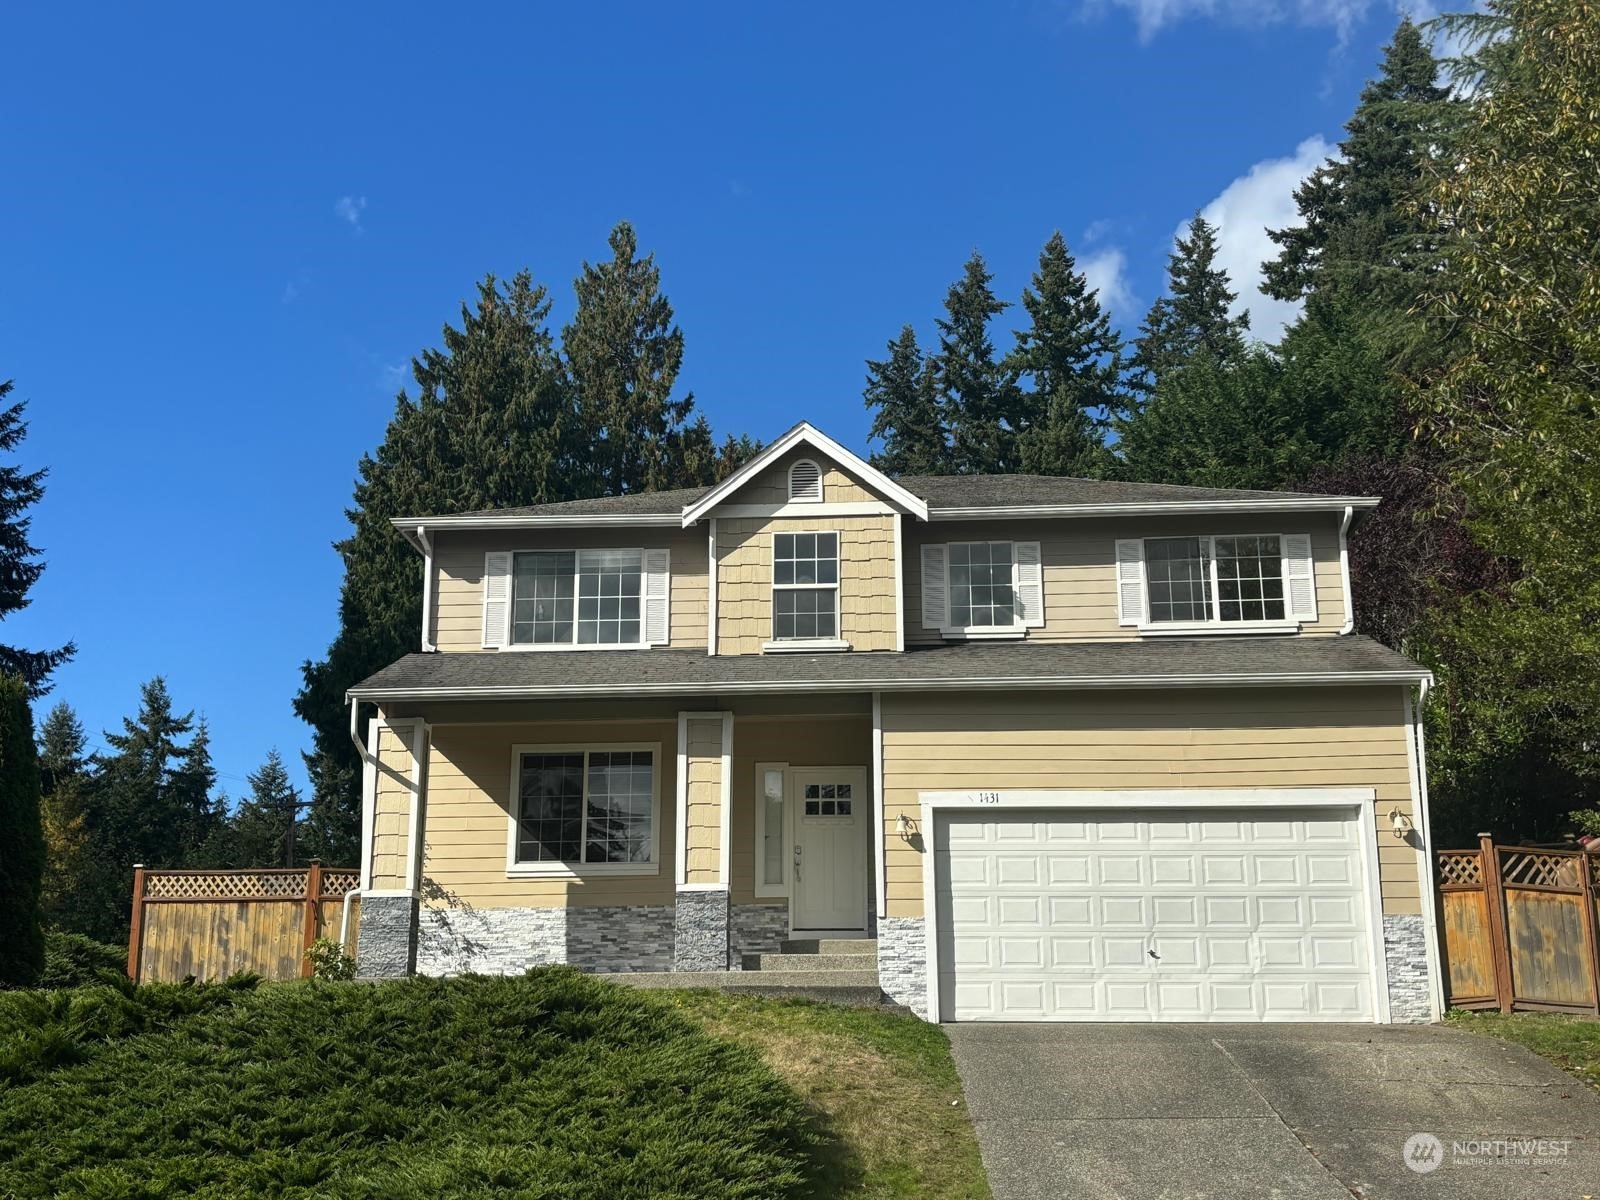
[[986, 797]]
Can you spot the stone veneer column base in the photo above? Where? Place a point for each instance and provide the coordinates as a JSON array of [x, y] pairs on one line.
[[1405, 953], [508, 941], [386, 938], [903, 962], [700, 930]]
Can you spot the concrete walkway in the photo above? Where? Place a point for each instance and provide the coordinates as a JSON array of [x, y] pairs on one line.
[[1292, 1112]]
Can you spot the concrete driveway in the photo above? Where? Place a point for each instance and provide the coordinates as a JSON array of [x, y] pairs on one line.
[[1293, 1112]]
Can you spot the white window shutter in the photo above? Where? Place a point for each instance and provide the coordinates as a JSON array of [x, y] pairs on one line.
[[657, 597], [935, 589], [1130, 581], [1300, 577], [496, 599], [1030, 583]]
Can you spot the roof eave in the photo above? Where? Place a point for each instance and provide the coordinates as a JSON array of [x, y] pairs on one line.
[[530, 521], [1153, 508]]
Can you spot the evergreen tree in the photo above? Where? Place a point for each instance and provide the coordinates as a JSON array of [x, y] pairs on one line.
[[22, 852], [19, 566], [1073, 360], [622, 353], [1191, 321], [63, 769], [262, 829], [902, 391], [977, 390]]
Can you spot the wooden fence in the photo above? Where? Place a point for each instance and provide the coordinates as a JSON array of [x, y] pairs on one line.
[[1520, 928], [212, 924]]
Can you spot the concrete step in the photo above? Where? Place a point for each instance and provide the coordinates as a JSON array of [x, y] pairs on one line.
[[829, 946], [807, 962]]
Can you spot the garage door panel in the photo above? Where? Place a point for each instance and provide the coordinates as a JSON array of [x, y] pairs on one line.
[[1222, 916]]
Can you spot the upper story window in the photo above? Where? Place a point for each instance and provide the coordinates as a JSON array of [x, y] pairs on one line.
[[584, 808], [566, 599], [805, 482], [1259, 580], [977, 589], [805, 587]]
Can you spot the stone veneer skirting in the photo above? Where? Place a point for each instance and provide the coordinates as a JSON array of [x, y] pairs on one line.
[[1405, 953], [700, 930], [756, 929], [386, 938], [903, 962], [507, 941]]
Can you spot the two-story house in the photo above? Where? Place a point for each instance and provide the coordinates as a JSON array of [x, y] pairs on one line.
[[1067, 749]]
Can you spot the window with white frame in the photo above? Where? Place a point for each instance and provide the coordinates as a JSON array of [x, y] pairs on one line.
[[1238, 580], [982, 588], [805, 586], [582, 597], [584, 807]]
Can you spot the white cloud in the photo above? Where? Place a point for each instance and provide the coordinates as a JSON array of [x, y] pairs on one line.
[[1106, 272], [1261, 199], [1152, 16], [349, 209]]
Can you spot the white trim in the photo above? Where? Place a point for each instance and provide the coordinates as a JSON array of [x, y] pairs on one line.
[[816, 468], [702, 887], [814, 437], [681, 802], [869, 683], [490, 521], [724, 874], [1362, 799], [985, 633], [880, 834], [792, 814], [1215, 623], [809, 508], [564, 647], [1018, 627], [805, 646], [1191, 628], [1153, 508], [581, 870], [1344, 570], [419, 766], [1426, 887], [369, 799], [764, 889], [427, 589], [681, 790], [711, 582], [899, 586], [389, 893], [577, 553]]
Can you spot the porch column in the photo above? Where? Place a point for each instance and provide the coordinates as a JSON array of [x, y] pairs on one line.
[[391, 848], [704, 796]]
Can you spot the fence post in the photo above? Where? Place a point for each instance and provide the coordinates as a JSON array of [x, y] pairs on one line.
[[1495, 901], [136, 926], [1591, 936], [313, 911]]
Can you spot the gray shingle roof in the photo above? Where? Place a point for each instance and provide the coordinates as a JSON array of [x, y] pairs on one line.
[[1152, 662]]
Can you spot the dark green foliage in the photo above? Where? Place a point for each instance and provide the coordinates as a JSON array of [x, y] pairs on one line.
[[22, 852], [63, 770], [1071, 361], [903, 392], [19, 566], [978, 391], [1191, 322], [72, 960], [261, 830], [553, 1085]]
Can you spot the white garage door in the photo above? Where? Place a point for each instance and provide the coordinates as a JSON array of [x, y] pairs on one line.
[[1146, 915]]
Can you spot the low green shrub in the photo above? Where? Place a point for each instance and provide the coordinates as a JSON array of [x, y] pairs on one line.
[[329, 961], [72, 960], [551, 1085]]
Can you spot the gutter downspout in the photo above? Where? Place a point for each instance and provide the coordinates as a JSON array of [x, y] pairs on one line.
[[1430, 893], [1344, 572], [427, 587]]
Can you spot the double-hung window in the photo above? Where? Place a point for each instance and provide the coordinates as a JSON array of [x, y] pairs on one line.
[[978, 589], [1257, 580], [805, 587], [554, 599], [594, 808]]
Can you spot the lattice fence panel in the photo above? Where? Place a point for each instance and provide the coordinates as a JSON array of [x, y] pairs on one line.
[[1463, 869], [229, 885], [337, 883], [1531, 868]]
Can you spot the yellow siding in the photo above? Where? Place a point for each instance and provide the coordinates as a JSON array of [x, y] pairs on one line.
[[771, 486], [391, 827], [1304, 737], [458, 576], [1080, 574], [703, 799], [469, 810], [744, 574]]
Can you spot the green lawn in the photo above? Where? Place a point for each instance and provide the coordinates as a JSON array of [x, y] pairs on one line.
[[553, 1086], [1572, 1043]]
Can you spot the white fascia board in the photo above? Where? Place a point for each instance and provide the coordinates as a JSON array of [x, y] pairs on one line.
[[812, 436], [986, 683], [1153, 508]]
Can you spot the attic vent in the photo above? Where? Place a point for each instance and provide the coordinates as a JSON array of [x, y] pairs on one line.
[[805, 482]]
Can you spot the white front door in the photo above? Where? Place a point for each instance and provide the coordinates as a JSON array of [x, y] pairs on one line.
[[832, 817], [1206, 915]]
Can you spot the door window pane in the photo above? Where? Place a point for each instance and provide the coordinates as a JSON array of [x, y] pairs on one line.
[[772, 837]]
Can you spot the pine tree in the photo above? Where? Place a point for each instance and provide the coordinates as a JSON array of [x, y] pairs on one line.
[[262, 829], [63, 769], [19, 566], [622, 353], [902, 391], [1191, 321], [977, 389], [1073, 360], [22, 852]]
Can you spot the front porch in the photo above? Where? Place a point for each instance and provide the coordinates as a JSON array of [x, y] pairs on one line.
[[621, 837]]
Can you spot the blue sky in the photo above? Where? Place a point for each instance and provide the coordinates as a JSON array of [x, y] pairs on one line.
[[224, 230]]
